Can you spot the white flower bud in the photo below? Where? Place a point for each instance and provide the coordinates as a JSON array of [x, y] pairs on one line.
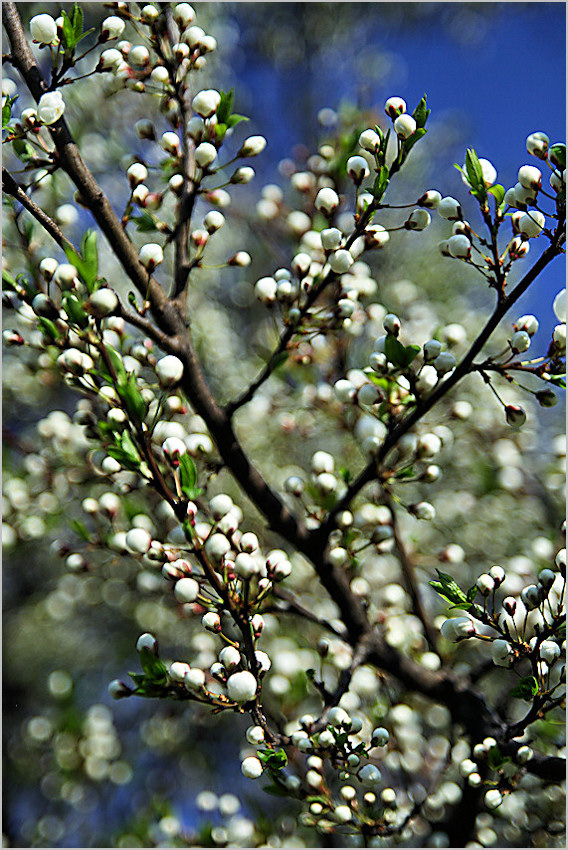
[[485, 584], [252, 146], [178, 670], [427, 380], [530, 177], [459, 245], [183, 15], [186, 590], [370, 775], [205, 154], [342, 814], [50, 107], [405, 126], [173, 448], [527, 323], [493, 798], [531, 224], [331, 238], [559, 336], [549, 651], [430, 200], [138, 56], [263, 661], [147, 641], [391, 324], [149, 14], [213, 221], [337, 717], [340, 261], [43, 29], [450, 209], [138, 540], [206, 102], [432, 348], [251, 767], [322, 462], [246, 565], [216, 546], [537, 144], [394, 107], [497, 573], [294, 484], [357, 168], [369, 140], [520, 341], [255, 735], [444, 362], [531, 596], [151, 255], [559, 306], [244, 174], [546, 578], [241, 686], [515, 415], [103, 302], [368, 394], [423, 510], [194, 679], [169, 370], [136, 173], [170, 142], [418, 219], [266, 289], [327, 201], [428, 445]]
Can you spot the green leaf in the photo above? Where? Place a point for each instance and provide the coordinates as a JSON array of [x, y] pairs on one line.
[[498, 193], [273, 759], [381, 183], [48, 328], [526, 689], [558, 380], [23, 150], [223, 110], [8, 281], [116, 361], [448, 588], [7, 110], [474, 174], [86, 263], [132, 398], [144, 222], [74, 309], [235, 119], [495, 758], [68, 32], [409, 143], [81, 530], [421, 113], [77, 22], [398, 354], [472, 593], [187, 475], [558, 154]]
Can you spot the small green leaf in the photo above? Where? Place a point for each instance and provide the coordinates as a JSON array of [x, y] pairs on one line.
[[132, 398], [381, 183], [235, 119], [144, 222], [116, 361], [81, 530], [48, 328], [498, 193], [273, 759], [23, 150], [8, 281], [86, 263], [557, 153], [7, 110], [77, 22], [223, 110], [526, 689], [421, 113], [409, 143], [188, 475], [74, 309], [395, 351], [558, 380], [448, 588], [495, 758]]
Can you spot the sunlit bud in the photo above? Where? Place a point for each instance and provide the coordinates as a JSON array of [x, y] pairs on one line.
[[230, 657], [527, 323], [531, 224], [419, 219], [405, 126], [450, 209], [444, 362], [560, 560], [140, 194], [175, 183], [557, 182], [559, 336], [326, 482], [322, 462], [331, 238], [214, 221], [338, 717], [485, 584], [43, 29], [211, 621], [520, 341], [169, 370], [377, 361], [459, 246], [246, 566], [523, 197], [510, 605], [431, 473], [216, 546], [220, 505], [391, 324], [103, 302], [488, 170], [546, 578], [110, 58], [194, 679], [241, 686], [255, 735], [537, 144], [428, 446], [177, 671], [515, 415], [430, 200], [147, 642], [186, 590], [139, 56], [183, 15], [75, 361], [112, 27], [340, 261], [138, 541], [249, 542], [394, 107], [423, 510], [206, 102], [369, 140], [149, 14], [205, 154], [12, 338], [151, 255], [501, 652], [263, 661], [357, 168], [370, 775], [530, 177], [44, 306], [50, 107], [549, 651], [265, 290], [523, 755], [136, 173], [493, 798], [173, 448], [252, 146], [497, 573], [251, 767], [242, 175], [427, 380], [327, 200], [240, 259], [518, 248]]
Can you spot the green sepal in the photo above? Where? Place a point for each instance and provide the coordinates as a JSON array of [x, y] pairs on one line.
[[154, 669], [526, 689], [273, 759], [132, 398], [223, 110]]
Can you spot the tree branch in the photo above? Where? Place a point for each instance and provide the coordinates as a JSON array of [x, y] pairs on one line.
[[12, 188]]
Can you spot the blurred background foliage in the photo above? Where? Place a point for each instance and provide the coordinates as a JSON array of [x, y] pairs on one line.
[[82, 771]]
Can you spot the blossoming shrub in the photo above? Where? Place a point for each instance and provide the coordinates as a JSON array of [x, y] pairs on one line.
[[326, 560]]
